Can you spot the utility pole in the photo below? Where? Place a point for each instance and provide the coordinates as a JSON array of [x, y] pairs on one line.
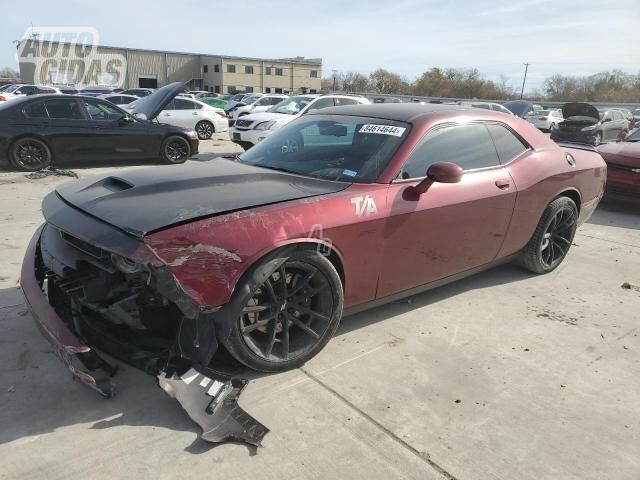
[[526, 68], [334, 79]]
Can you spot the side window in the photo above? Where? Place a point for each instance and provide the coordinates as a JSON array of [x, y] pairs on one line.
[[263, 102], [344, 101], [508, 145], [469, 146], [35, 110], [64, 109], [181, 104], [321, 103], [275, 100], [101, 111]]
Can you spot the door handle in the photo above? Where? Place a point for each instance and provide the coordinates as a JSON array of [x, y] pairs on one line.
[[503, 184], [194, 113]]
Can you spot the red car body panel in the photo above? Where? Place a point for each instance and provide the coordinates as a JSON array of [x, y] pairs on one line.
[[623, 177], [452, 228]]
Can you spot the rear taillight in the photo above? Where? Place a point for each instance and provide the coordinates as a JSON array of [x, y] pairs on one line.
[[222, 114], [2, 99], [542, 118]]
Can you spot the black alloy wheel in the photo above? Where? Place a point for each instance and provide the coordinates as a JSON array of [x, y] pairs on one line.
[[30, 154], [553, 237], [289, 314], [175, 149]]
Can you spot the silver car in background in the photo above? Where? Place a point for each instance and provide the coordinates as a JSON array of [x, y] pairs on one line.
[[545, 120]]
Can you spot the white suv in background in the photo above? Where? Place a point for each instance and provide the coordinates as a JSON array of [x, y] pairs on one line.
[[17, 91], [255, 127], [254, 104]]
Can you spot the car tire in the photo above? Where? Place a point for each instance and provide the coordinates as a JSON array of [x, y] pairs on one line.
[[598, 139], [276, 326], [205, 130], [175, 149], [552, 238], [29, 154]]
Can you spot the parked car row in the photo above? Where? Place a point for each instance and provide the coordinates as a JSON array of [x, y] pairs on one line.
[[252, 128]]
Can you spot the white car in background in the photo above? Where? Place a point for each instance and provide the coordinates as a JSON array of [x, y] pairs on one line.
[[545, 119], [255, 127], [192, 115], [254, 104], [496, 107], [17, 91]]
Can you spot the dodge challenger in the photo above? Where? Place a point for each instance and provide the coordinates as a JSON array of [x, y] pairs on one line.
[[264, 253]]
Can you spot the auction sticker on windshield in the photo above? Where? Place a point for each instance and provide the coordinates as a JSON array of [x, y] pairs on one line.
[[383, 129]]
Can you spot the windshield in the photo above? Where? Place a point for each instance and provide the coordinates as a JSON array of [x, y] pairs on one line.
[[333, 147], [291, 106]]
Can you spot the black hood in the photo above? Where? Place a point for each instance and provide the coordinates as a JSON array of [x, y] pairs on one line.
[[580, 110], [149, 199], [149, 107]]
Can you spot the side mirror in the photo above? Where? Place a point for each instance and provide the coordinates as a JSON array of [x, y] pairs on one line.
[[441, 172], [125, 120]]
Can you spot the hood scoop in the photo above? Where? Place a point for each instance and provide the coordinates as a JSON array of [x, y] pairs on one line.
[[142, 201]]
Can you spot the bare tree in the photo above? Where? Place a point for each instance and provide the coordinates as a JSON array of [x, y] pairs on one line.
[[8, 72]]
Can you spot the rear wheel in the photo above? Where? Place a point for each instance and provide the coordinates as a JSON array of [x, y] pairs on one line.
[[553, 237], [30, 154], [205, 130], [289, 309], [175, 149]]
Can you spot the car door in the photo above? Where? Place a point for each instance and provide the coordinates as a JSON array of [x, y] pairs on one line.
[[451, 228], [181, 112], [68, 130], [113, 137]]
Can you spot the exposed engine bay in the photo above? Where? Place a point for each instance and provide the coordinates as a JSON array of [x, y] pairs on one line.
[[138, 314]]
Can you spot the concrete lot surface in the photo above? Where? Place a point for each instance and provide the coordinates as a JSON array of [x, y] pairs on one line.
[[504, 375]]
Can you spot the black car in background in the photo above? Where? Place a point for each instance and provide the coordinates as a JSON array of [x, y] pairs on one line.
[[584, 123], [38, 130]]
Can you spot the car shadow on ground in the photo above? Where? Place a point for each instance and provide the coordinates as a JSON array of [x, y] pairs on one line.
[[618, 214], [38, 395]]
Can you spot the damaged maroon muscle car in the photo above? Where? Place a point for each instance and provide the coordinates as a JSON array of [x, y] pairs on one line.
[[341, 210]]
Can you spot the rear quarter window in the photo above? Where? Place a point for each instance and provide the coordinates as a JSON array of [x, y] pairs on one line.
[[508, 145], [35, 110]]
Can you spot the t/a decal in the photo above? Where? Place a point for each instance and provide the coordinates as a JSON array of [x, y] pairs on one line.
[[365, 206]]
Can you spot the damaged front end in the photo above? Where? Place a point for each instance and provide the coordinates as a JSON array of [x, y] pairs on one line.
[[84, 296]]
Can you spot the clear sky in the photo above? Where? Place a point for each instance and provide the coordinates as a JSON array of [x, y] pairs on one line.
[[404, 36]]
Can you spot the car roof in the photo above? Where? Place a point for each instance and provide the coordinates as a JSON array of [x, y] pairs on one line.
[[402, 112]]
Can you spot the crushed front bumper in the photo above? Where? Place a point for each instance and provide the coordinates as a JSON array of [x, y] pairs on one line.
[[211, 401]]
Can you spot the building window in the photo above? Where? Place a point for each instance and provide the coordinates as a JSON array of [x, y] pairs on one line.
[[267, 71], [205, 68], [231, 89], [279, 72], [217, 89], [231, 68], [206, 87], [313, 73], [278, 90], [248, 69], [248, 89], [267, 90], [313, 90], [216, 68]]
